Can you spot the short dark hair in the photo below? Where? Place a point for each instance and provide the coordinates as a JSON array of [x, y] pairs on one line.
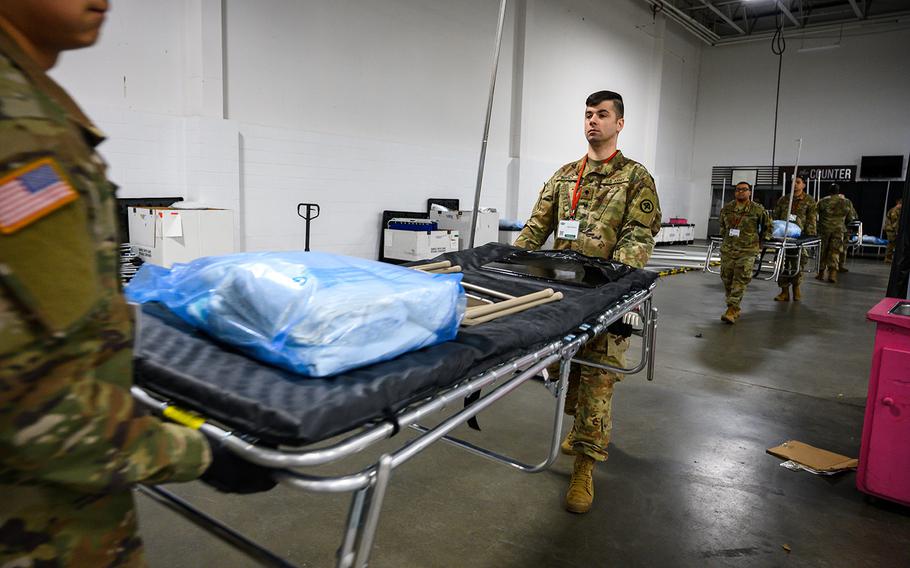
[[803, 175], [834, 188], [595, 99], [745, 183]]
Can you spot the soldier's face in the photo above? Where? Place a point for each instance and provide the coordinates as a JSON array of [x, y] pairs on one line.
[[798, 186], [742, 193], [57, 25], [602, 123]]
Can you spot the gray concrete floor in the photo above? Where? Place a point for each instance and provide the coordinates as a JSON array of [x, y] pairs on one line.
[[688, 482]]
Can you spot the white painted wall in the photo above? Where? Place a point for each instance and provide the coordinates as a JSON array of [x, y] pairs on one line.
[[844, 103], [365, 106]]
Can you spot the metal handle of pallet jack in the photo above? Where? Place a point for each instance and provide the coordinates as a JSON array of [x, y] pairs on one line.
[[647, 350], [365, 478]]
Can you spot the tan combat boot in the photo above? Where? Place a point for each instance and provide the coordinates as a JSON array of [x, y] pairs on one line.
[[796, 295], [821, 274], [729, 315], [832, 277], [581, 485], [784, 295], [568, 445]]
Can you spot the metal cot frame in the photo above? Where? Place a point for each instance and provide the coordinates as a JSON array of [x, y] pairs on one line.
[[369, 485], [777, 265]]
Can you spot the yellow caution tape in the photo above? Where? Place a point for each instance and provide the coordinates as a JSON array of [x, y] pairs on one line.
[[184, 417]]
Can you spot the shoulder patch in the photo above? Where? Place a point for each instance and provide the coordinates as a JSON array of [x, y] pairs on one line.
[[646, 206], [31, 192]]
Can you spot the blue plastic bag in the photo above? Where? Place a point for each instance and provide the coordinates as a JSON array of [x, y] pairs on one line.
[[313, 313], [778, 226]]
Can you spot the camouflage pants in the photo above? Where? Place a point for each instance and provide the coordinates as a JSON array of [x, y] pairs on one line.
[[736, 273], [843, 251], [831, 248], [590, 395], [889, 250], [790, 266], [53, 526]]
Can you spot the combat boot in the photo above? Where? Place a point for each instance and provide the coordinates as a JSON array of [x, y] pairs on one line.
[[821, 274], [842, 269], [581, 485], [784, 295], [729, 315], [568, 445], [832, 277], [796, 295]]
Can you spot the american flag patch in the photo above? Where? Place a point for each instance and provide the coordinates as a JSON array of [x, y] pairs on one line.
[[31, 192]]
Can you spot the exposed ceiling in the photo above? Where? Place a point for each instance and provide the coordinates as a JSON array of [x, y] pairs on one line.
[[719, 22]]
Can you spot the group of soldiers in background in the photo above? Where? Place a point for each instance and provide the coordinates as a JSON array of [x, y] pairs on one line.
[[745, 224]]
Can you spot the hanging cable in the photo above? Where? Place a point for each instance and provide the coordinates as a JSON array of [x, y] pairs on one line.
[[778, 47]]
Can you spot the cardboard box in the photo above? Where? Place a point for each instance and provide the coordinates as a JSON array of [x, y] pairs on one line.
[[812, 459], [487, 225], [164, 236], [418, 245]]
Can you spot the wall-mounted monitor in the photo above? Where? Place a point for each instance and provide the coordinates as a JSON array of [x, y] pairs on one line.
[[882, 167]]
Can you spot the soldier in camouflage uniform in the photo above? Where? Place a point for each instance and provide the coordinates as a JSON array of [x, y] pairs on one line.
[[852, 214], [744, 224], [803, 214], [892, 223], [833, 215], [72, 441], [603, 205]]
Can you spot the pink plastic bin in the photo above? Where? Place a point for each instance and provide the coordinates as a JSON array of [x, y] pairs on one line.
[[884, 459]]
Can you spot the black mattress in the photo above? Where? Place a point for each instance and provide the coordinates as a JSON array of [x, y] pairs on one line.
[[276, 406]]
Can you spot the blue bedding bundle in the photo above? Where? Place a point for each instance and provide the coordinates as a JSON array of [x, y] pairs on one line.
[[313, 313]]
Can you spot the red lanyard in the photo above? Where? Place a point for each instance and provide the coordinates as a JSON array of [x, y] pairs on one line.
[[743, 214], [576, 193]]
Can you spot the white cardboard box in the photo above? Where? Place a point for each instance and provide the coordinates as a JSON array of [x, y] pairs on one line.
[[487, 225], [163, 236], [418, 245]]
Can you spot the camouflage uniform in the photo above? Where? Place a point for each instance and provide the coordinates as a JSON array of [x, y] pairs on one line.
[[851, 214], [892, 223], [804, 214], [738, 253], [833, 215], [72, 442], [619, 216]]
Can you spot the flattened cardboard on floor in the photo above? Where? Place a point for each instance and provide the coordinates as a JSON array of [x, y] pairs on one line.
[[810, 456]]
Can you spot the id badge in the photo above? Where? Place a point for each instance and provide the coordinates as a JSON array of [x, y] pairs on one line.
[[568, 230], [792, 218], [734, 232]]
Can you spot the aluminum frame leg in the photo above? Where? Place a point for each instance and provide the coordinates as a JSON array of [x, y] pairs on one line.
[[556, 434], [363, 518]]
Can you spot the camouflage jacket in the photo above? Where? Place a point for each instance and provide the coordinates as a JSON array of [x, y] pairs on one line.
[[851, 214], [833, 214], [72, 441], [618, 211], [753, 224], [892, 222], [803, 211]]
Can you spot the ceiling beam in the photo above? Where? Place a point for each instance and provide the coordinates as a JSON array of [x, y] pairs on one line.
[[786, 11], [723, 16], [859, 13]]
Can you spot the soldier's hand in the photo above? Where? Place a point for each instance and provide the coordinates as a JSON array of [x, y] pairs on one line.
[[230, 473]]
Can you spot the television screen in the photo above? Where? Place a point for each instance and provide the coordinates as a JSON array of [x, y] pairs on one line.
[[881, 167]]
